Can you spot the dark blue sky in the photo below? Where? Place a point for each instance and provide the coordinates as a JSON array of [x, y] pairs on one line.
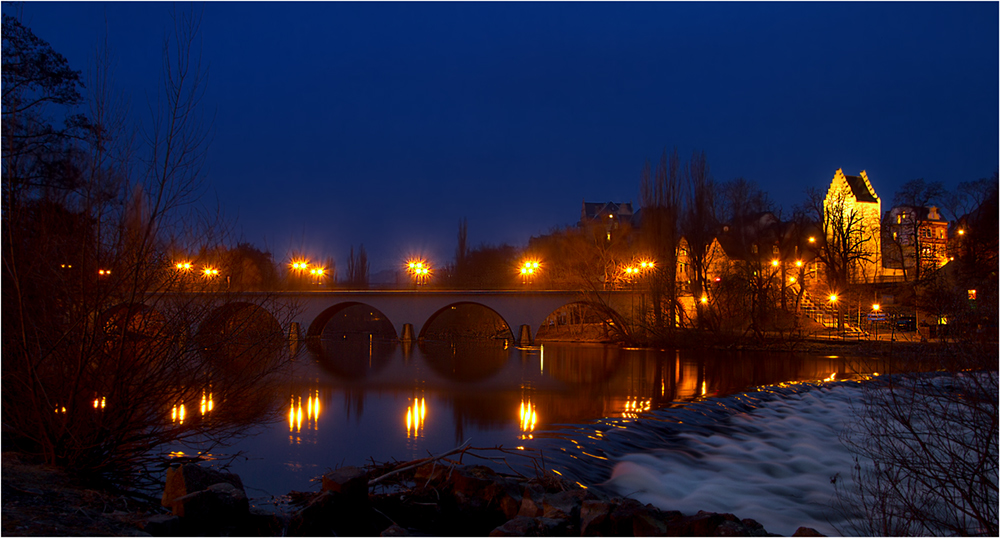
[[384, 124]]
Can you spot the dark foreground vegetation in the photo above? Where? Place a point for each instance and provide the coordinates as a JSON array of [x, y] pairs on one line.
[[430, 497]]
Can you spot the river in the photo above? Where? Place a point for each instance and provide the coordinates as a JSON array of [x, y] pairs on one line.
[[358, 400]]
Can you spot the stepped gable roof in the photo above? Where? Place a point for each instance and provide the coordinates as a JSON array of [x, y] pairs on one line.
[[860, 187]]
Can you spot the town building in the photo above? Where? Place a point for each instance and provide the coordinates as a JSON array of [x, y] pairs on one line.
[[611, 215], [914, 241], [853, 208]]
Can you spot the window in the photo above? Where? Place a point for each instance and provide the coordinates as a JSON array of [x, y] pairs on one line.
[[972, 295], [774, 249], [927, 232], [753, 248]]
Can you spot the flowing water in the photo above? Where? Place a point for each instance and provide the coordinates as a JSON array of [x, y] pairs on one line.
[[678, 418]]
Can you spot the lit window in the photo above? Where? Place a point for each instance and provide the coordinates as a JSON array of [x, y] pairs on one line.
[[753, 248], [774, 249], [972, 295]]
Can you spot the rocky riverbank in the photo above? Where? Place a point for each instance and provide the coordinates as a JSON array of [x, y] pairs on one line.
[[429, 498]]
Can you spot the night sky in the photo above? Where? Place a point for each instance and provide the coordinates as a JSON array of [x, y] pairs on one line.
[[384, 124]]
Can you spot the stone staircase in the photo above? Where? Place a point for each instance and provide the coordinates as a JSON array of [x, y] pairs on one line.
[[820, 312]]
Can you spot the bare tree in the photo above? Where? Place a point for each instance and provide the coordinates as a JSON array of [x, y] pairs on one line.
[[848, 239], [925, 450], [916, 194], [101, 362], [968, 195], [661, 207], [700, 226], [357, 268]]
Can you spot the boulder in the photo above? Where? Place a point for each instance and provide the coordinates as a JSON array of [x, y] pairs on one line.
[[531, 526], [565, 504], [518, 526], [316, 517], [162, 525], [594, 517], [429, 474], [218, 505], [394, 530], [351, 482], [531, 500], [185, 480], [807, 531]]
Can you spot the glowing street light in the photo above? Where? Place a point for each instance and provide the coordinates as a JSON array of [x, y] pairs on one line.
[[210, 272], [875, 309], [812, 239], [798, 263], [528, 269], [774, 263], [317, 274], [704, 299], [103, 272], [183, 266], [420, 270]]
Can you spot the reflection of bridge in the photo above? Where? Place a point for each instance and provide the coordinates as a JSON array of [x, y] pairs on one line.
[[520, 310]]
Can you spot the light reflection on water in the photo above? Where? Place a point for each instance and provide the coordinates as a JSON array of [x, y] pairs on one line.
[[353, 402]]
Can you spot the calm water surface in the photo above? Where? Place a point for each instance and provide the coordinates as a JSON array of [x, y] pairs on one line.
[[352, 401]]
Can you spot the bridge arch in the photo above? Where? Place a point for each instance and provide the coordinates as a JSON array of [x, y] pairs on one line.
[[378, 320], [136, 319], [240, 334], [599, 313], [450, 313]]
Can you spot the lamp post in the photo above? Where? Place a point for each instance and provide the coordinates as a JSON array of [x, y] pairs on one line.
[[833, 306], [299, 267], [420, 271], [875, 309], [183, 268], [528, 269], [317, 273]]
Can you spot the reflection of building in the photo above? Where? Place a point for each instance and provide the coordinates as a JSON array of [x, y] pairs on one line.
[[914, 234]]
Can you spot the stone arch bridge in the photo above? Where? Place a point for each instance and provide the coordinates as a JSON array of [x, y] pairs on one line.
[[410, 311]]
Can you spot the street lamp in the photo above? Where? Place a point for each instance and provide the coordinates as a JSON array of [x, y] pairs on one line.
[[420, 271], [875, 318], [210, 272], [833, 305], [317, 274], [528, 269]]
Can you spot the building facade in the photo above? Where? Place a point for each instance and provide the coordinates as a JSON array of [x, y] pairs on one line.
[[915, 241], [852, 214]]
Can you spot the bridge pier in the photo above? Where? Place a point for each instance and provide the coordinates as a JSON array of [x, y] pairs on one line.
[[524, 336], [407, 334]]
